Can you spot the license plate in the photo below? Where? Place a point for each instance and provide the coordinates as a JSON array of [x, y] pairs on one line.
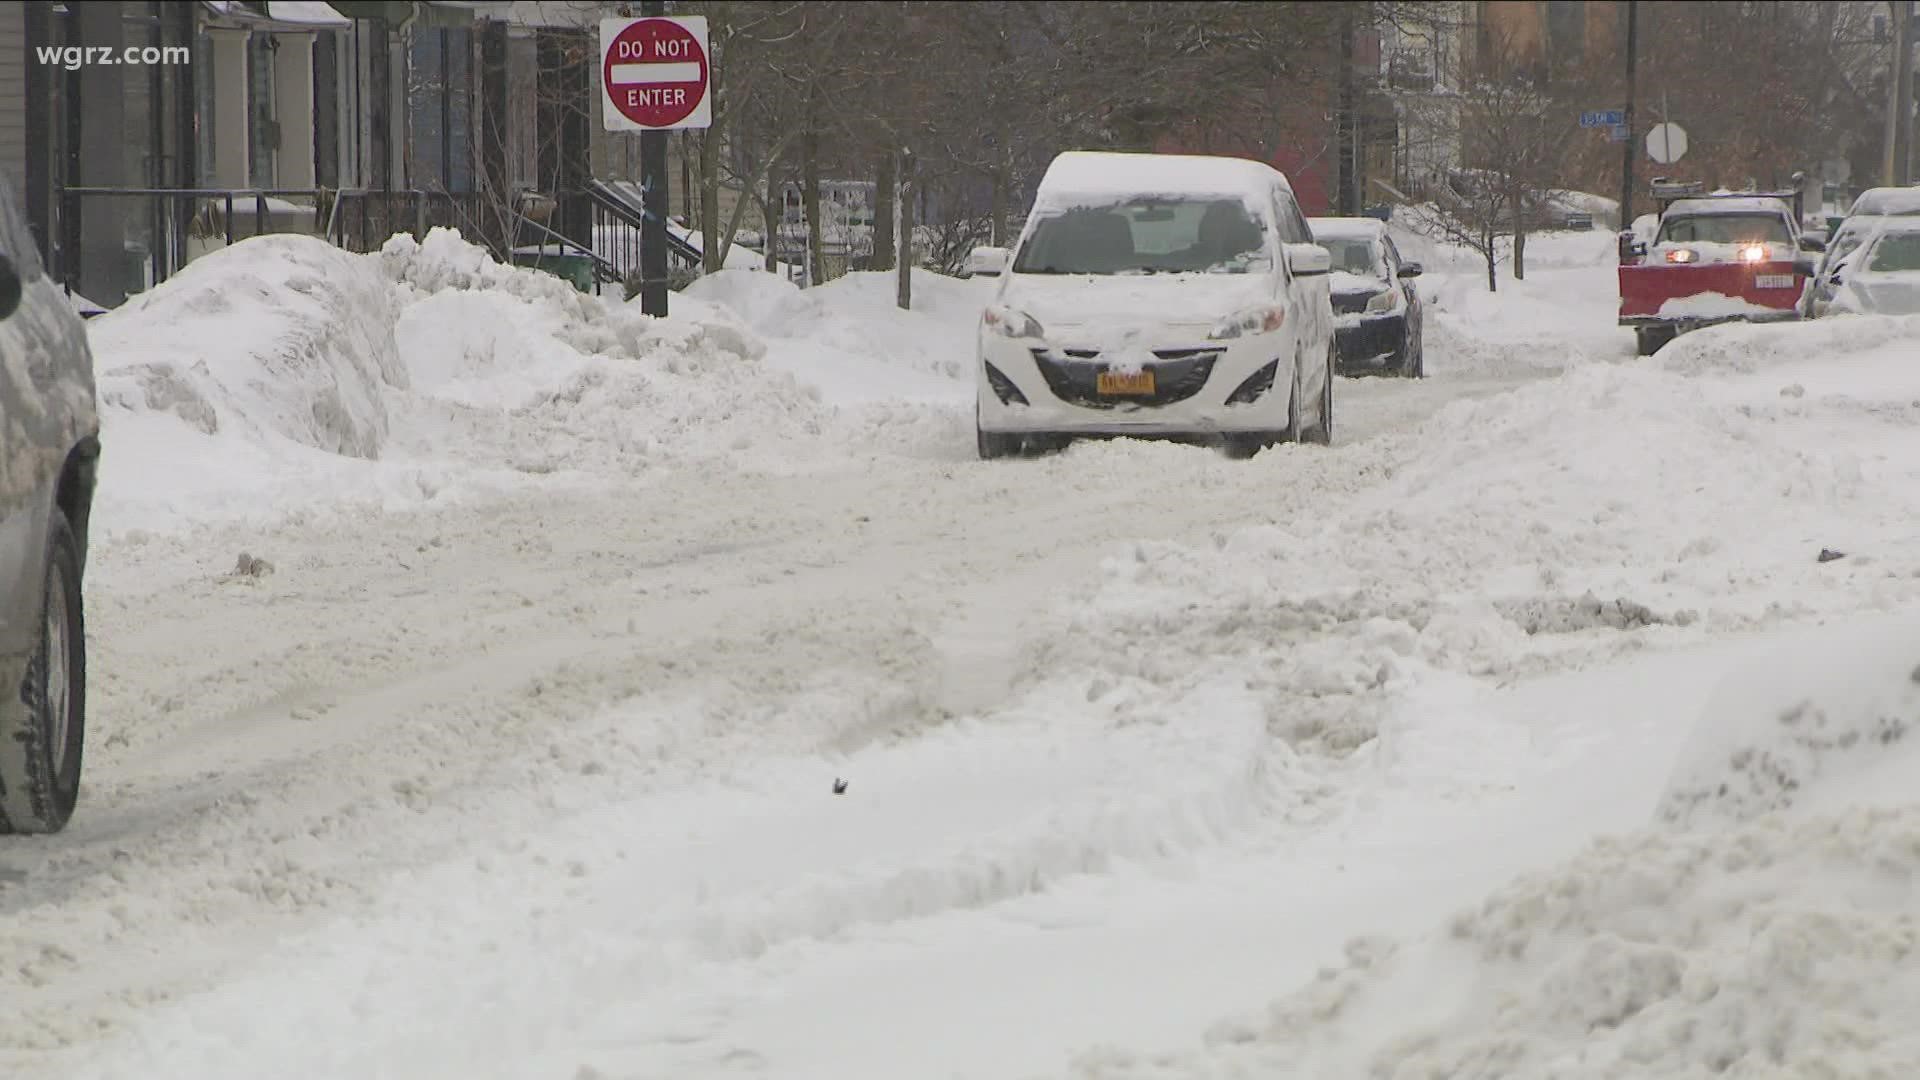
[[1125, 383], [1773, 281]]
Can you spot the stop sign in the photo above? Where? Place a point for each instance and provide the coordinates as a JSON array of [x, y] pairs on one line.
[[654, 73]]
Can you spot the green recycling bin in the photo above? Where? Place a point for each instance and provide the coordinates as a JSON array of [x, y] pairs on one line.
[[575, 268]]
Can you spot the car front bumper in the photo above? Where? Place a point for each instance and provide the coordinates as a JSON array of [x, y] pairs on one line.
[[1369, 343], [1029, 387]]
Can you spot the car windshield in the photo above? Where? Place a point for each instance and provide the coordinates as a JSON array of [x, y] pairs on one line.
[[1845, 241], [1725, 229], [1352, 254], [1147, 236], [1896, 252]]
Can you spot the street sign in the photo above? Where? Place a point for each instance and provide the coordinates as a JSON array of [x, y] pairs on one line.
[[654, 73], [1606, 118], [1620, 133], [1667, 143]]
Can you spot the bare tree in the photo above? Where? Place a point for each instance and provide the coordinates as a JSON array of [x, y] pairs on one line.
[[1475, 217]]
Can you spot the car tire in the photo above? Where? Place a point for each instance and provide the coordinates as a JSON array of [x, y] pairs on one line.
[[1416, 365], [41, 764], [993, 445], [1648, 340], [1322, 431]]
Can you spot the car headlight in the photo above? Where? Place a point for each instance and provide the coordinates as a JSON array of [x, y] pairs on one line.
[[1008, 322], [1264, 319], [1385, 300]]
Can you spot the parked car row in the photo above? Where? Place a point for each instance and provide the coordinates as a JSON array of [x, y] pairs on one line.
[[1868, 263]]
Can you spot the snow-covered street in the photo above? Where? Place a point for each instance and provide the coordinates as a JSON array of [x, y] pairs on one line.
[[473, 663]]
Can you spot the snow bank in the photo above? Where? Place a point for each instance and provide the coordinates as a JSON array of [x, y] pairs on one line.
[[281, 374], [1588, 512], [1772, 936], [850, 341], [1831, 718], [1826, 344], [1563, 314], [279, 337], [1777, 949]]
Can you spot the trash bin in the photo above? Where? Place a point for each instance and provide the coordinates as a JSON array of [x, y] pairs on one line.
[[576, 269]]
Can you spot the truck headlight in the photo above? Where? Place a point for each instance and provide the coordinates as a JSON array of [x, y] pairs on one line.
[[1383, 301]]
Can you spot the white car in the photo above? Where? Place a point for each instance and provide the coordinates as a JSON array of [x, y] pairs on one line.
[[1873, 207], [1881, 277], [1159, 295]]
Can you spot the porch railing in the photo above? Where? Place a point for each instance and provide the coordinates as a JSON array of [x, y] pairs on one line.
[[169, 227]]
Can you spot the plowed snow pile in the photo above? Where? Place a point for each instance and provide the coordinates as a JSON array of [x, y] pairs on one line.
[[850, 338], [1773, 935], [1561, 315], [283, 374], [1762, 920]]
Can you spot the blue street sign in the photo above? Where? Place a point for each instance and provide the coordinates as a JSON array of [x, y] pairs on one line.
[[1621, 133], [1607, 118]]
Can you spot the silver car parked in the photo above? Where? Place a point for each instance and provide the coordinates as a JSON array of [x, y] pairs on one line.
[[49, 448]]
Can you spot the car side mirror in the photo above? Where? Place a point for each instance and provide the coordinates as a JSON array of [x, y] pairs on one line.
[[1812, 243], [10, 288], [1410, 270], [987, 261], [1308, 260]]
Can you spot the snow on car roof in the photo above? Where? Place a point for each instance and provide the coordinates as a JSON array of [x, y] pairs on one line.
[[1750, 204], [1887, 200], [1346, 226], [1078, 175]]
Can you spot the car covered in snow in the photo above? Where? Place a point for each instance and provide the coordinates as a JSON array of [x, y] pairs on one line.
[[1378, 317], [1882, 275], [1870, 209], [1723, 257], [1158, 295], [49, 446]]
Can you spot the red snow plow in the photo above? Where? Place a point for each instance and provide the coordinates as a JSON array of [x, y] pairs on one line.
[[1713, 258]]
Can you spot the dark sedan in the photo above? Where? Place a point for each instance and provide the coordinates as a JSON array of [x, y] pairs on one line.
[[1378, 315]]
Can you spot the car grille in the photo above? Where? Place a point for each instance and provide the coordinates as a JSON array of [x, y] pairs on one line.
[[1178, 374], [1352, 303]]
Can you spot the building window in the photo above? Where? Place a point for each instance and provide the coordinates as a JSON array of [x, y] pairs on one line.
[[1566, 32], [263, 130], [440, 108]]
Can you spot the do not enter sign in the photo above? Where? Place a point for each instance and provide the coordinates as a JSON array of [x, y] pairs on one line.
[[654, 73]]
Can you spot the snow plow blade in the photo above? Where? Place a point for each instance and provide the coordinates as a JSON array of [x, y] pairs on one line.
[[1665, 295]]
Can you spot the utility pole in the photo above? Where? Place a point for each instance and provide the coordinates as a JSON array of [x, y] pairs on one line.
[[903, 190], [1626, 152], [1900, 100], [655, 206], [1346, 135]]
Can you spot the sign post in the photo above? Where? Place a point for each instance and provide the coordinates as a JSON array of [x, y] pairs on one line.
[[655, 77]]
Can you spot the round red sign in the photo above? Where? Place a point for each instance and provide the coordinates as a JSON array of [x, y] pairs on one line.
[[655, 72]]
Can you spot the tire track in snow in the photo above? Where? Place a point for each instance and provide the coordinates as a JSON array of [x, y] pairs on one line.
[[242, 786]]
